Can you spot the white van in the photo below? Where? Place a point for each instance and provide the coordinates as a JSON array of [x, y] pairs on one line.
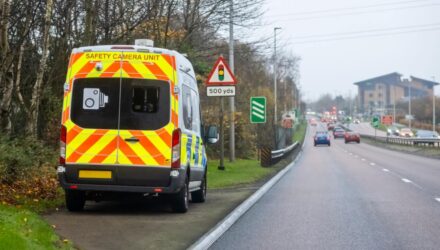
[[131, 123]]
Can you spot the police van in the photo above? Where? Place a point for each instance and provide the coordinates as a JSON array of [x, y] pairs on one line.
[[131, 123]]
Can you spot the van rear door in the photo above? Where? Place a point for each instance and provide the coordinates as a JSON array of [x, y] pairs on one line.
[[92, 98], [148, 110]]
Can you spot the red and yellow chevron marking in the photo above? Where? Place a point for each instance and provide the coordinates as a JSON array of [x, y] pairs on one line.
[[100, 146]]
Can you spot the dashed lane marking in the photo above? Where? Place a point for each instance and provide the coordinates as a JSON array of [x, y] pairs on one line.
[[372, 164], [406, 180], [385, 170], [437, 199], [363, 159]]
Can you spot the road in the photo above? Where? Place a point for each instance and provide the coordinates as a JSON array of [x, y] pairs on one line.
[[347, 196]]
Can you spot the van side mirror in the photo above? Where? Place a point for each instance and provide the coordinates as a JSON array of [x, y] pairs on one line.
[[212, 135]]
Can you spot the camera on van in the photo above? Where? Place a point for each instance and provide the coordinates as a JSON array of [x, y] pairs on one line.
[[93, 99]]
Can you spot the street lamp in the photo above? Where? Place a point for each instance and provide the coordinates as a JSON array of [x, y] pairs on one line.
[[433, 105], [275, 71], [409, 104]]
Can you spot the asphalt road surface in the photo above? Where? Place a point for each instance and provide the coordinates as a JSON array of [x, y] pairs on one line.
[[347, 196]]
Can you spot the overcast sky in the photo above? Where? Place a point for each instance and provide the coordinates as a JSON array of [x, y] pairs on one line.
[[333, 66]]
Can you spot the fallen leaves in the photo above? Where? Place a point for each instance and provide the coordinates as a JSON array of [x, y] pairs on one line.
[[40, 185]]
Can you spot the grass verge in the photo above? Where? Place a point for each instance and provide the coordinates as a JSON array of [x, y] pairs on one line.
[[236, 173], [244, 171], [300, 132], [23, 229]]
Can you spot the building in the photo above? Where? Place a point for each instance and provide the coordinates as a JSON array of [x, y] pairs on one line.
[[379, 94]]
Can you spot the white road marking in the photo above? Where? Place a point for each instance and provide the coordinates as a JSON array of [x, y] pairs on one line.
[[437, 199], [385, 170], [356, 156], [406, 180], [372, 164], [350, 153], [363, 159]]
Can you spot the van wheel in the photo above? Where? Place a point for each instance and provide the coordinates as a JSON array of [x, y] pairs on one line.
[[199, 196], [179, 204], [75, 200]]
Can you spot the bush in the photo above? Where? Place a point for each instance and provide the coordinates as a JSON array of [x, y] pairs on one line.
[[20, 157], [27, 174]]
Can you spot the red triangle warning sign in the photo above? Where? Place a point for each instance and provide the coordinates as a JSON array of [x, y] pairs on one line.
[[221, 74]]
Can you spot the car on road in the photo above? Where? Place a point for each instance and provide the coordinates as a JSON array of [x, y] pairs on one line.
[[352, 137], [393, 131], [330, 126], [338, 133], [356, 121], [426, 137], [321, 138], [406, 132], [313, 122]]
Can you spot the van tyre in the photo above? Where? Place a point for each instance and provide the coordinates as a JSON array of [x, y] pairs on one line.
[[180, 201], [199, 196], [75, 200]]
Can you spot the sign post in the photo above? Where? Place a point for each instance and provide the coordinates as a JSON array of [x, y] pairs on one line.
[[258, 109], [375, 123], [221, 82]]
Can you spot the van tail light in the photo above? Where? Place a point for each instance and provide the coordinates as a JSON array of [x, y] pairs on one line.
[[175, 151], [63, 139]]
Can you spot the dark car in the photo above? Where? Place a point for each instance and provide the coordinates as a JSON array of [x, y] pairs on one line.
[[321, 137], [352, 137], [426, 137], [338, 133]]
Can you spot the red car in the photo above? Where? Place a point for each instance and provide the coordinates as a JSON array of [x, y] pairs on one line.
[[352, 137]]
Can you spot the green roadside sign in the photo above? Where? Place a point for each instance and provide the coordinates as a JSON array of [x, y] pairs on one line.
[[375, 122], [258, 109]]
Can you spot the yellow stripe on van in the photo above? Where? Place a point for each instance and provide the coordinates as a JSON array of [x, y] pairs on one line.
[[96, 148]]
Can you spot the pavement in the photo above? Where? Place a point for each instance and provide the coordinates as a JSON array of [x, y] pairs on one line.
[[347, 196]]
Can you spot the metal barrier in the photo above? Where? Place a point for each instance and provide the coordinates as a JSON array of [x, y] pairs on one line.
[[424, 142], [269, 157]]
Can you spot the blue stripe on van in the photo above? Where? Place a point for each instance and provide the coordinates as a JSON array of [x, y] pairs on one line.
[[203, 157], [188, 149], [197, 152]]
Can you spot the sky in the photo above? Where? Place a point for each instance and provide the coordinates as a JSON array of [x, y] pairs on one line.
[[385, 36]]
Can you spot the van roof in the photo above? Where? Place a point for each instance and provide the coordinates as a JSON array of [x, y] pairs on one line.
[[124, 48], [182, 62]]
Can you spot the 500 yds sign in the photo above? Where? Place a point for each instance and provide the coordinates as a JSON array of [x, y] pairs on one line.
[[220, 91]]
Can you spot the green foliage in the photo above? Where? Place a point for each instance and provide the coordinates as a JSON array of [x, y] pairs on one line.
[[19, 156], [22, 229]]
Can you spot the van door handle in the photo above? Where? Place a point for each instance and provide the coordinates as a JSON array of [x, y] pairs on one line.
[[132, 139]]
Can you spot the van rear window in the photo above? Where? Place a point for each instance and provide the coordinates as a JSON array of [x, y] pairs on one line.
[[144, 103]]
